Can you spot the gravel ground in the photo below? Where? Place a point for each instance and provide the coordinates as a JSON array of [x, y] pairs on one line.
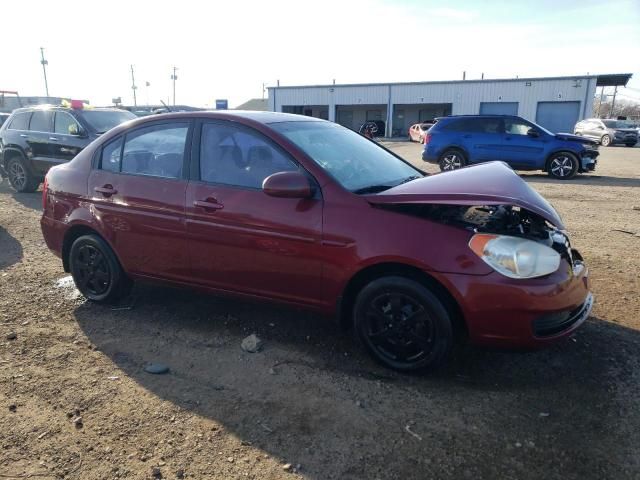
[[76, 403]]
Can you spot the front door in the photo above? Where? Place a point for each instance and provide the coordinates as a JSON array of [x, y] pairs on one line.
[[519, 149], [241, 239], [138, 193], [66, 145]]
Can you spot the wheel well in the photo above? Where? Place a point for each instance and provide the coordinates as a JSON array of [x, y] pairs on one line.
[[368, 274], [9, 154], [546, 163], [72, 234], [457, 149]]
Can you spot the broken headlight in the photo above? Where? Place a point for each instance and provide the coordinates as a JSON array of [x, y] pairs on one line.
[[515, 257]]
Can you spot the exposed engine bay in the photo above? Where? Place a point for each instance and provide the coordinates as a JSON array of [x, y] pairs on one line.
[[498, 219]]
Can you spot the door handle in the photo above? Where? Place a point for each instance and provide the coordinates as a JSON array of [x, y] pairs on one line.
[[54, 139], [24, 135], [208, 204], [106, 190]]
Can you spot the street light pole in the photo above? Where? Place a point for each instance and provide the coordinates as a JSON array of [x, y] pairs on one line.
[[174, 77], [44, 70], [133, 87]]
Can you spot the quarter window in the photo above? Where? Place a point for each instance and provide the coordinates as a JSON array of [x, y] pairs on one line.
[[63, 122], [41, 121], [157, 150], [233, 156], [20, 121], [111, 153]]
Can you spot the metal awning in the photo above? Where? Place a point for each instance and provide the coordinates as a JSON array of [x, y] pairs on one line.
[[613, 80]]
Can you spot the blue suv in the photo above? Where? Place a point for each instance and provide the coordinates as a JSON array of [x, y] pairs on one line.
[[456, 141]]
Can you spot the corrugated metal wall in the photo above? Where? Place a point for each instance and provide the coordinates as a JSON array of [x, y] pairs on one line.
[[465, 97]]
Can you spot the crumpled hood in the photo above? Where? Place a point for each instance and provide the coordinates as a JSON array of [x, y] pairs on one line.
[[491, 183], [575, 138]]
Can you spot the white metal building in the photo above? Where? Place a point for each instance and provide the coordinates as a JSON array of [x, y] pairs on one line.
[[556, 103]]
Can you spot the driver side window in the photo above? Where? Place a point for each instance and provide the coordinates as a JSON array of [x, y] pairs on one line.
[[513, 127], [235, 156]]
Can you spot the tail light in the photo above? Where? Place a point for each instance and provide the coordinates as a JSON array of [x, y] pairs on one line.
[[45, 187], [427, 138]]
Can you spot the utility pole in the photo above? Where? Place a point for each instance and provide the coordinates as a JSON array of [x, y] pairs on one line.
[[601, 99], [263, 84], [174, 77], [613, 102], [133, 87], [44, 70]]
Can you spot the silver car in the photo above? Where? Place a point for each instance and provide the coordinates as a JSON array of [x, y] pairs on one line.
[[608, 132]]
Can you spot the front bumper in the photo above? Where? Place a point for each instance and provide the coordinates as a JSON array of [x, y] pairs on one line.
[[589, 160], [503, 312]]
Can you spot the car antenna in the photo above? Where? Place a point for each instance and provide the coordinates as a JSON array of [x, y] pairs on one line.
[[166, 106]]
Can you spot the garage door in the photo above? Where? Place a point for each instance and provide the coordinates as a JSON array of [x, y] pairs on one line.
[[498, 108], [558, 116]]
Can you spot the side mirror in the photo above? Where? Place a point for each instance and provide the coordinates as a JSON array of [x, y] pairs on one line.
[[76, 130], [287, 185], [532, 132]]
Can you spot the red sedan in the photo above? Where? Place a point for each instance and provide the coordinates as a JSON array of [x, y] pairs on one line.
[[303, 211]]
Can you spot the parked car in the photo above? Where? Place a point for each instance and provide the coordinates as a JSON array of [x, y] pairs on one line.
[[456, 141], [299, 210], [418, 132], [34, 139], [3, 118], [608, 132], [379, 127]]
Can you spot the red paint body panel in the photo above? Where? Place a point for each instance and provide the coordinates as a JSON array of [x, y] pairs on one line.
[[305, 251]]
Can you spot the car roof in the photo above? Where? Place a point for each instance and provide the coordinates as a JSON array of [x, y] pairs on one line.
[[253, 116], [35, 108]]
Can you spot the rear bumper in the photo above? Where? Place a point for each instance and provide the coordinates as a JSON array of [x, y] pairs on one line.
[[53, 233], [507, 313]]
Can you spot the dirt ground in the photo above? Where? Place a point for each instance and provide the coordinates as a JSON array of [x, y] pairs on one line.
[[76, 403]]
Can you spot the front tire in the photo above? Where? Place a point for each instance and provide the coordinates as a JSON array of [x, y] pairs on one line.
[[452, 160], [605, 141], [20, 178], [563, 166], [402, 324], [96, 270]]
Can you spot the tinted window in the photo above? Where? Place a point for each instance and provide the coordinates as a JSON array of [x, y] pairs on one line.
[[41, 121], [515, 127], [20, 121], [239, 157], [62, 123], [354, 161], [157, 150], [477, 125], [104, 120], [111, 153]]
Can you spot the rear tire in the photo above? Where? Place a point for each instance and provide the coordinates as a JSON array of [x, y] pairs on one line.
[[605, 141], [20, 178], [402, 324], [96, 270], [563, 166], [452, 159]]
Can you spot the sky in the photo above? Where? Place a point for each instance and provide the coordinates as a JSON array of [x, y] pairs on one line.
[[228, 49]]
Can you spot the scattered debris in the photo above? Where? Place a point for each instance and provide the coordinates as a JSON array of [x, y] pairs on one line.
[[13, 407], [359, 404], [180, 473], [518, 444], [412, 433], [25, 323], [252, 343], [156, 368], [156, 473], [230, 459], [265, 427], [12, 336], [286, 467], [43, 434], [622, 231], [114, 377], [636, 207], [543, 414], [272, 371], [77, 421], [123, 307]]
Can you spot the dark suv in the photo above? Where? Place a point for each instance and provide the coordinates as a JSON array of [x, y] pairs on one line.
[[456, 141], [34, 139]]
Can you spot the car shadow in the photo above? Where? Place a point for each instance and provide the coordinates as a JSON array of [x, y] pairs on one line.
[[10, 249], [29, 200], [586, 179], [313, 397]]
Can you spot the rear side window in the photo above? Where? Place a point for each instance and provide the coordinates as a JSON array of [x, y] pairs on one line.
[[20, 121], [239, 157], [41, 121], [475, 125], [157, 150], [111, 154]]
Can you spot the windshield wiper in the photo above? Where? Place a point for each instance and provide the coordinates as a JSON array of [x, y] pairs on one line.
[[372, 189], [409, 179]]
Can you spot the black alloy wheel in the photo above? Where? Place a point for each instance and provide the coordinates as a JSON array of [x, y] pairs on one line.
[[19, 176], [402, 324], [96, 270], [563, 166]]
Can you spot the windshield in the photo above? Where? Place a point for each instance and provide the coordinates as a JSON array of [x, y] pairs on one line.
[[618, 124], [104, 120], [357, 163]]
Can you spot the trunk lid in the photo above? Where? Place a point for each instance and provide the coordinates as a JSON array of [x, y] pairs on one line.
[[492, 183]]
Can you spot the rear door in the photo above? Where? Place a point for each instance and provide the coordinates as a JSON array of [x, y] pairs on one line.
[[241, 239], [39, 141], [138, 192], [66, 145], [482, 138]]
